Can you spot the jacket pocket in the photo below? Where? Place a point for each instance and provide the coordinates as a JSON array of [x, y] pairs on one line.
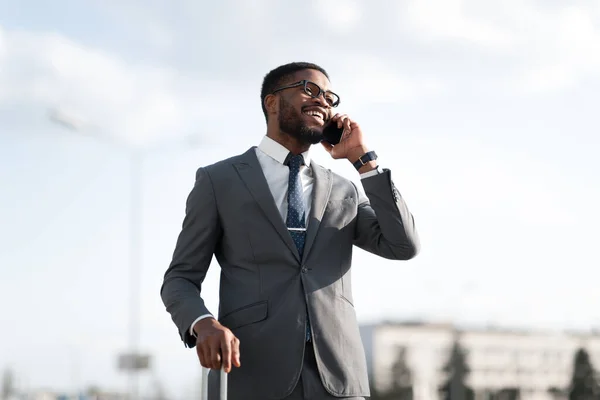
[[246, 315], [341, 296]]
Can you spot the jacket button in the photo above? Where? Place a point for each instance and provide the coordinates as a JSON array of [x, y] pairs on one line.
[[304, 270]]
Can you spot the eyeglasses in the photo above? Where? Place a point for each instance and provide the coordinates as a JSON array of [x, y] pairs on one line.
[[314, 91]]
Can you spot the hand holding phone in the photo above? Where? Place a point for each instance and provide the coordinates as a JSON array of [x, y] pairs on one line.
[[345, 142]]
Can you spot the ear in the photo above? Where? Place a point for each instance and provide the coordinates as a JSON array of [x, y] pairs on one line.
[[271, 104]]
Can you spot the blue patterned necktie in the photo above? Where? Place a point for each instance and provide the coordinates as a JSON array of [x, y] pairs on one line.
[[296, 212]]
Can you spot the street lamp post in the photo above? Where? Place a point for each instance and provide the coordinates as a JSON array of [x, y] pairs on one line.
[[135, 261], [132, 362]]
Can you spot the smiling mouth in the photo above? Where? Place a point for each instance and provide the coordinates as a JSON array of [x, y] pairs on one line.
[[318, 115]]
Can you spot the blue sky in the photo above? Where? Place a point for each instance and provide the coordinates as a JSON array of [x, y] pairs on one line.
[[484, 112]]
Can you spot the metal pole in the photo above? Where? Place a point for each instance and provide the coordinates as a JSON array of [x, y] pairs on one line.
[[135, 230], [136, 159]]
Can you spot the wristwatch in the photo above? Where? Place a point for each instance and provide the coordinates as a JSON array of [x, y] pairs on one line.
[[365, 158]]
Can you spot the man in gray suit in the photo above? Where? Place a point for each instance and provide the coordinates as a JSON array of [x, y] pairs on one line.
[[282, 229]]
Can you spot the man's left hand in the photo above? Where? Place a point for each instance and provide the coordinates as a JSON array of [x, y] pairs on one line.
[[351, 145]]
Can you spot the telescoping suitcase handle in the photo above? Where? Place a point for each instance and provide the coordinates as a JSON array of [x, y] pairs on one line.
[[223, 388]]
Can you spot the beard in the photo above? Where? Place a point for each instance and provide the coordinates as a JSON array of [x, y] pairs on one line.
[[291, 122]]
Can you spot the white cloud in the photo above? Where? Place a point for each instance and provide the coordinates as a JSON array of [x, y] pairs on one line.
[[502, 186], [340, 16], [545, 78], [138, 102], [447, 19], [552, 48], [149, 19], [2, 43], [378, 82], [564, 50]]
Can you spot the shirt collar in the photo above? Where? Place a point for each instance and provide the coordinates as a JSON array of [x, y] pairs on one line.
[[278, 152]]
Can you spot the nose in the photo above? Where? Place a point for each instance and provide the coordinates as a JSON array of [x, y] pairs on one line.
[[321, 99]]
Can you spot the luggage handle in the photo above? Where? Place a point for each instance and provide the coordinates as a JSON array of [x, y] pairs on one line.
[[223, 386]]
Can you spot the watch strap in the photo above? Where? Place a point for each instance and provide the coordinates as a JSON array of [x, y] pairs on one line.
[[365, 158]]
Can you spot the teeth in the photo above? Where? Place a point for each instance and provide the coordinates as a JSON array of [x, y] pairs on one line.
[[314, 114]]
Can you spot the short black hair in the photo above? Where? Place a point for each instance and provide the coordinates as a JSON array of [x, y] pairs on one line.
[[279, 75]]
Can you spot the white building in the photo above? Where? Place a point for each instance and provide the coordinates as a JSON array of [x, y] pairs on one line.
[[533, 362]]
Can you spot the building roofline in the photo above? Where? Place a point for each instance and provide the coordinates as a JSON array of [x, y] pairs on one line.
[[490, 328]]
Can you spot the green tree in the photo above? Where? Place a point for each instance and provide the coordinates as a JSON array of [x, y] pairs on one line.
[[457, 370], [93, 391], [583, 382], [508, 394], [401, 388], [557, 393], [401, 385], [374, 392], [8, 384]]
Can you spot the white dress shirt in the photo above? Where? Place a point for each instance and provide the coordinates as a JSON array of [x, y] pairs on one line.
[[271, 156]]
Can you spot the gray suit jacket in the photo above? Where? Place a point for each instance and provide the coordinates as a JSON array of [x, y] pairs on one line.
[[266, 288]]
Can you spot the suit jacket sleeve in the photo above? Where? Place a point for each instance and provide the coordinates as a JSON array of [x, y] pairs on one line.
[[193, 253], [385, 226]]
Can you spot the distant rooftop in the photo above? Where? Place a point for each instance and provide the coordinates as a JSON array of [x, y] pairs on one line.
[[484, 329]]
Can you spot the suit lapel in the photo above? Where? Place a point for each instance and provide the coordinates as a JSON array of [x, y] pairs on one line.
[[321, 192], [251, 173]]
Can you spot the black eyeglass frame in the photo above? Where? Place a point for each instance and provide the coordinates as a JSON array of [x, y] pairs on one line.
[[304, 83]]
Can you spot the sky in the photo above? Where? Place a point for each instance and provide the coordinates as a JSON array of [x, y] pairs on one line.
[[482, 110]]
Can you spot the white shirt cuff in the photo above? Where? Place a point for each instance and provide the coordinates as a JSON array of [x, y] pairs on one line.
[[194, 323], [374, 172]]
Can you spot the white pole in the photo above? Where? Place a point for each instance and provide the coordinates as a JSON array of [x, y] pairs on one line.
[[223, 386], [135, 240], [204, 391]]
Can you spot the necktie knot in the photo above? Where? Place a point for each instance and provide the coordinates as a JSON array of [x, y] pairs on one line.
[[295, 161]]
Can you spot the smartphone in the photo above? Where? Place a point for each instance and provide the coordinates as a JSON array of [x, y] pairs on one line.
[[331, 133]]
